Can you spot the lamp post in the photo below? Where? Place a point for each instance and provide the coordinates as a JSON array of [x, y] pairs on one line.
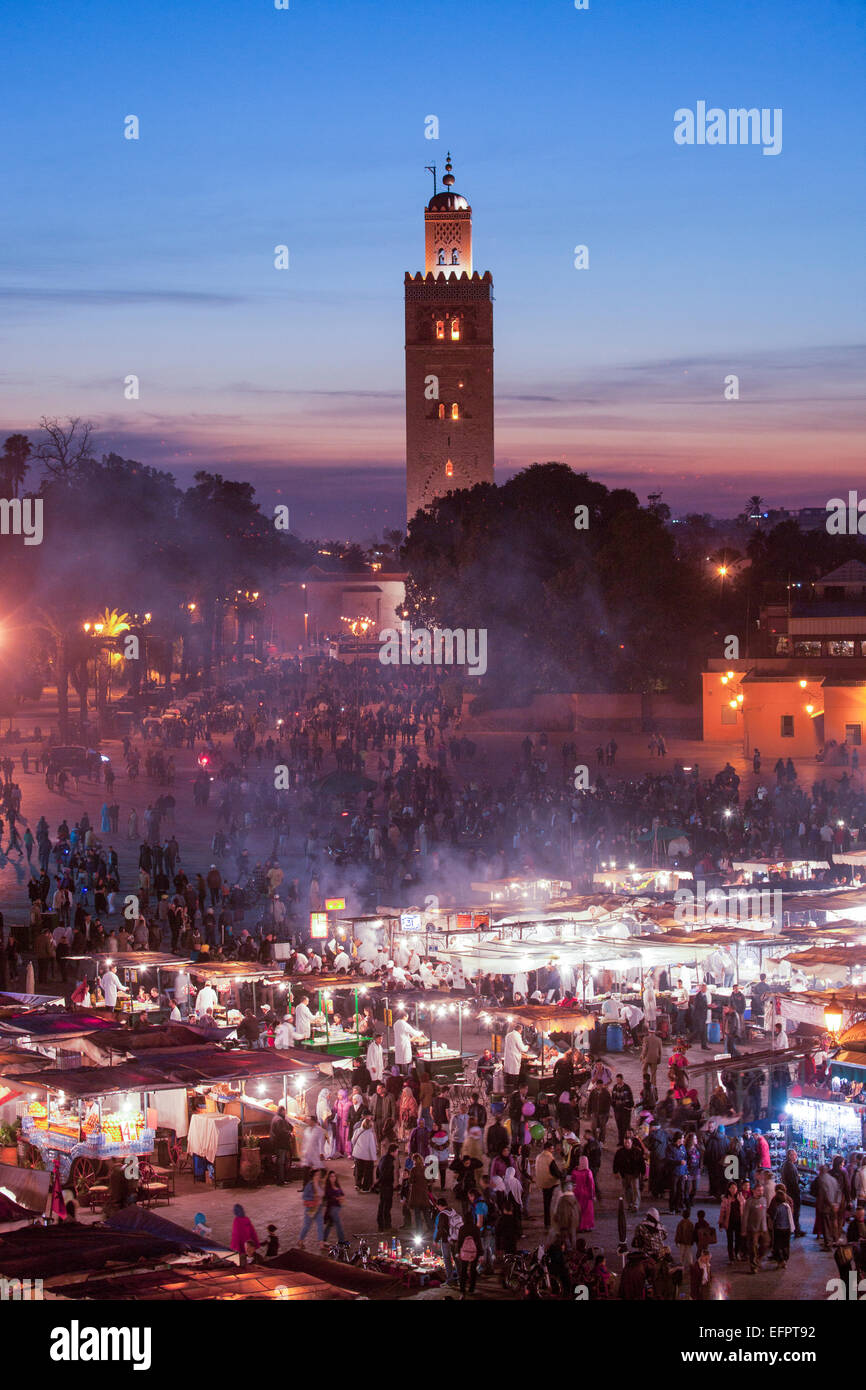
[[833, 1016]]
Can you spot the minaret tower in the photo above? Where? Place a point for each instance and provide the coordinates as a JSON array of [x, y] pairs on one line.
[[449, 358]]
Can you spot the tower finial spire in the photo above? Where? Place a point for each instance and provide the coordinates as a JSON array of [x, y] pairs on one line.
[[448, 177]]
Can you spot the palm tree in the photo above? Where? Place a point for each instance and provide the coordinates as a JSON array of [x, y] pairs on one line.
[[13, 462], [107, 628], [754, 510], [57, 631]]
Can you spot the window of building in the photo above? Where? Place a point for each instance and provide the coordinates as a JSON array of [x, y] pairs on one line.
[[807, 648], [729, 716], [787, 729], [441, 257], [440, 328], [455, 259], [441, 410], [837, 648], [852, 733], [455, 411], [783, 645], [455, 330], [449, 469]]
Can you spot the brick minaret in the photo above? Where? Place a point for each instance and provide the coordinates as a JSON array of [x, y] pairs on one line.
[[449, 358]]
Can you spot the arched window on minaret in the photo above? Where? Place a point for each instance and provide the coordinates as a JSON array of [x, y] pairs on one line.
[[455, 411], [455, 259], [441, 256], [449, 469], [440, 328], [455, 330], [441, 410]]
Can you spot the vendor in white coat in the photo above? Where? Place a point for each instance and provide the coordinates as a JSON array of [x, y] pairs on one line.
[[303, 1018], [649, 1003], [376, 1058], [111, 987], [513, 1054], [403, 1035], [205, 999]]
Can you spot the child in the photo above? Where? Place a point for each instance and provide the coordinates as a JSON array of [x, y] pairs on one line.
[[272, 1245], [201, 1228]]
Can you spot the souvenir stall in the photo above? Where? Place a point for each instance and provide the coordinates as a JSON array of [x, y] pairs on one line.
[[821, 1128], [415, 1261]]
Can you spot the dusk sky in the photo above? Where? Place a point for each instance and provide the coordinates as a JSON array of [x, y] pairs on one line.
[[306, 127]]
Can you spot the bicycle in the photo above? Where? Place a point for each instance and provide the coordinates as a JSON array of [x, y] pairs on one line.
[[341, 1251]]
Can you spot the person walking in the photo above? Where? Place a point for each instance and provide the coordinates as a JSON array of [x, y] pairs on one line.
[[780, 1215], [332, 1202], [282, 1137], [547, 1176], [755, 1227], [365, 1151], [731, 1222], [622, 1099], [313, 1197], [628, 1166], [468, 1255], [598, 1109], [651, 1054], [790, 1176], [386, 1176], [243, 1235], [418, 1197]]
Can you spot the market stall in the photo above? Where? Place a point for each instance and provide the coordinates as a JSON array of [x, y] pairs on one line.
[[83, 1116], [334, 1033], [136, 969], [239, 985], [548, 1021], [522, 889], [821, 1128]]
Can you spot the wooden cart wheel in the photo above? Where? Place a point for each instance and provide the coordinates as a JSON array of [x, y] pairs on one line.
[[85, 1172]]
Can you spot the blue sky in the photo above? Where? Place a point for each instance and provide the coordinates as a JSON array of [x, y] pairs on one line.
[[306, 127]]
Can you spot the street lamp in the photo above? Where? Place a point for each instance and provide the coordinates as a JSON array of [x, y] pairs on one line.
[[833, 1016]]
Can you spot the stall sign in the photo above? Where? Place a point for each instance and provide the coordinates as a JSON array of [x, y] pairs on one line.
[[459, 979], [319, 926], [464, 921], [481, 921], [335, 904], [410, 921]]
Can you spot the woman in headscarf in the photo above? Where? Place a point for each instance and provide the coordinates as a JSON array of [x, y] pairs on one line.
[[566, 1215], [514, 1188], [243, 1233], [342, 1109], [407, 1112], [323, 1115], [583, 1186]]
